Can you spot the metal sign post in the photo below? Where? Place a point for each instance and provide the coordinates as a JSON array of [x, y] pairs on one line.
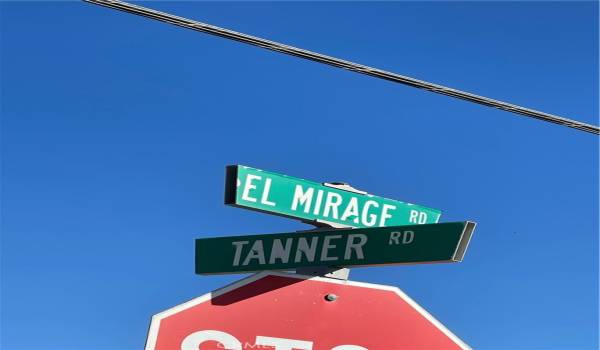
[[341, 273]]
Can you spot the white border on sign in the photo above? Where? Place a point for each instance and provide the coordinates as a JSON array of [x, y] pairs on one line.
[[155, 323]]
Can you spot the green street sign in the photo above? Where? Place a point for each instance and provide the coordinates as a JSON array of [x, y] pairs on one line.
[[411, 244], [317, 203]]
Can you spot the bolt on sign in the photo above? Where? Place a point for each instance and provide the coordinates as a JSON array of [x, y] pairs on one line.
[[314, 202], [280, 311], [410, 244]]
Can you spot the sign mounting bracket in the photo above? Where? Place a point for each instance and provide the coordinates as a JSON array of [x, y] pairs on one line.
[[337, 272]]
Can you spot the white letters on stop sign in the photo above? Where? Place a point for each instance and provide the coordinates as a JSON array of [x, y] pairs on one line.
[[193, 341], [229, 342], [284, 344]]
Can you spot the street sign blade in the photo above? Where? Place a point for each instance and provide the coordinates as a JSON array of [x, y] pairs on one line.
[[315, 202], [410, 244]]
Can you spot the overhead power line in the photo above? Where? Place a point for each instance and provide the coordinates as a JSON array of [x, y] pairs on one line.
[[336, 62]]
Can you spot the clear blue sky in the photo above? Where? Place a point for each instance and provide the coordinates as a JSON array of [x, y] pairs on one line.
[[116, 131]]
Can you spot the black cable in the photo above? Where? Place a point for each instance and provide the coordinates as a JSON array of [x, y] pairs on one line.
[[336, 62]]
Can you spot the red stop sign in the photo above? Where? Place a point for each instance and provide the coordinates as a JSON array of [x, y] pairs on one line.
[[292, 312]]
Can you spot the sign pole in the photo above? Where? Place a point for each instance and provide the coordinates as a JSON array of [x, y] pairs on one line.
[[340, 273]]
